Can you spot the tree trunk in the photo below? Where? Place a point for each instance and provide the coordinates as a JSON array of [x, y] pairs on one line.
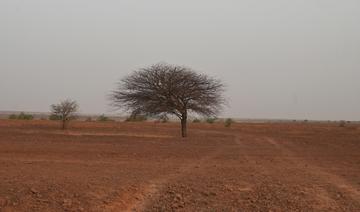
[[63, 124], [184, 125]]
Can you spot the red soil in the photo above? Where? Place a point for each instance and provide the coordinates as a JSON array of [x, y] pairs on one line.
[[147, 167]]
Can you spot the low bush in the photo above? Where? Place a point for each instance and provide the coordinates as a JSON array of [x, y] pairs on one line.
[[228, 122], [196, 121], [54, 117], [164, 119], [22, 116], [211, 120], [342, 123], [103, 118], [137, 118], [13, 116]]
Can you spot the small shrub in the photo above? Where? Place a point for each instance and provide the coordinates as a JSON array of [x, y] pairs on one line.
[[342, 123], [228, 122], [164, 119], [54, 117], [88, 119], [13, 116], [211, 120], [24, 116], [196, 121], [103, 118], [137, 118]]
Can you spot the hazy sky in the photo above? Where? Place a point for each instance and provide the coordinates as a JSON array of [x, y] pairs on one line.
[[278, 58]]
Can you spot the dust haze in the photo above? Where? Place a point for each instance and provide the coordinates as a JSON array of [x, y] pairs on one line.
[[279, 59]]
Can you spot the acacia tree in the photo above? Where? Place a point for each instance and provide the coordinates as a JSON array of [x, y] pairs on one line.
[[164, 89], [64, 111]]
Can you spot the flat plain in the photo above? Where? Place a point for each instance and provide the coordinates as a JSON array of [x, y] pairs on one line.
[[145, 166]]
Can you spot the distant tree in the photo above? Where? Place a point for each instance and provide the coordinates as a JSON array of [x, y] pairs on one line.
[[169, 89], [64, 111]]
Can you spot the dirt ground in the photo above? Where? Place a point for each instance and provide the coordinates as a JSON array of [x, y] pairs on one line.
[[147, 167]]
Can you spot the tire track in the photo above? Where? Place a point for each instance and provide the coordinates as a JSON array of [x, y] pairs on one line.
[[335, 180], [139, 200]]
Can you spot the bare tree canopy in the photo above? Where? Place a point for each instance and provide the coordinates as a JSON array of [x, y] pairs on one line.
[[65, 111], [169, 89]]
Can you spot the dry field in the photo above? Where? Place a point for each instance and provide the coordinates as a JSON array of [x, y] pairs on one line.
[[147, 167]]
